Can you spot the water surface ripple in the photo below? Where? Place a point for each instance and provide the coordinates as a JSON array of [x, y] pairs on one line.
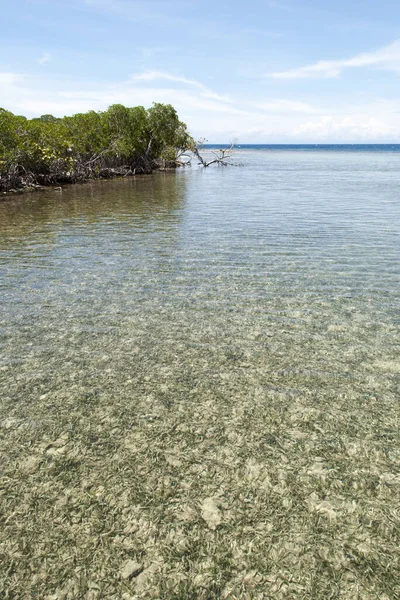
[[235, 306]]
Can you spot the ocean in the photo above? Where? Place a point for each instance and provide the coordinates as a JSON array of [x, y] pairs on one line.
[[201, 369]]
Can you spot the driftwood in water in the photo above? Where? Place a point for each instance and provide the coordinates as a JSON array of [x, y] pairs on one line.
[[223, 156]]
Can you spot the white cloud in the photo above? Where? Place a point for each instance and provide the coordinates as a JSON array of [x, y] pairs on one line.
[[9, 78], [163, 75], [346, 128], [129, 94], [209, 116], [45, 58], [155, 75], [387, 58], [194, 101], [287, 106]]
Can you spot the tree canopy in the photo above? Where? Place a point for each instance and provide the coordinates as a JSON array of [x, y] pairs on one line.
[[93, 144]]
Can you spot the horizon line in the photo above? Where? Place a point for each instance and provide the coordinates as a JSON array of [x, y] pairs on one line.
[[303, 144]]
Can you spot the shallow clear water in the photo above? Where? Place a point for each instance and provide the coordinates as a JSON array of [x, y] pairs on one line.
[[229, 333], [289, 249]]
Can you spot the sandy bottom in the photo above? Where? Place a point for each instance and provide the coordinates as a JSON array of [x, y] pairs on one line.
[[237, 455]]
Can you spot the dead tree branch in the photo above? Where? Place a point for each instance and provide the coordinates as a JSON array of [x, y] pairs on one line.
[[223, 156]]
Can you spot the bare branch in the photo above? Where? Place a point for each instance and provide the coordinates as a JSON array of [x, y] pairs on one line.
[[222, 156]]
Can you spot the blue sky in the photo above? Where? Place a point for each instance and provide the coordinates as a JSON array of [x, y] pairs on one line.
[[262, 71]]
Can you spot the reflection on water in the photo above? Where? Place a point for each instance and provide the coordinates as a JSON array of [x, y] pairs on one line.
[[151, 197]]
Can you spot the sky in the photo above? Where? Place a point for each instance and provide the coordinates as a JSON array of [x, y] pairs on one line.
[[261, 71]]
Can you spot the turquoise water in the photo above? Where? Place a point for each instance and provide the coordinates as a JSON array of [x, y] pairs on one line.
[[252, 309]]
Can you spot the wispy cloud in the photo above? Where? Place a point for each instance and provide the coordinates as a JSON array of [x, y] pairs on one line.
[[387, 58], [163, 75], [45, 58], [154, 75], [265, 120], [278, 5], [151, 51], [346, 128], [9, 78], [287, 106], [260, 32], [172, 13], [33, 96]]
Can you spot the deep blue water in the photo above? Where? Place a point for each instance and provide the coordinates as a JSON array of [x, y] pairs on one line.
[[314, 147]]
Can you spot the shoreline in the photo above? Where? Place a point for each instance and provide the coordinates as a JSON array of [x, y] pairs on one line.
[[49, 151], [33, 188]]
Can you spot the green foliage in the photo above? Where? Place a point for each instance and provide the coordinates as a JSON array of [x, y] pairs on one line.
[[167, 133], [41, 143], [47, 119], [10, 126], [86, 132], [85, 144]]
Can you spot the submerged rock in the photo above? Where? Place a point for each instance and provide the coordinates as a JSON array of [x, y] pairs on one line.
[[211, 513], [131, 569]]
